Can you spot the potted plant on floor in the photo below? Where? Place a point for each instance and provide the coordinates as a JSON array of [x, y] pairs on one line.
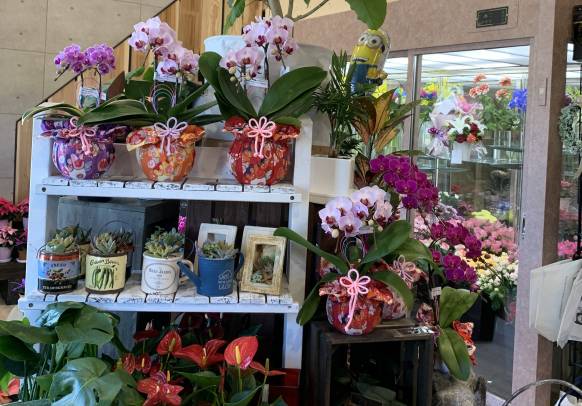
[[334, 174], [216, 269], [8, 240], [58, 265], [105, 265], [260, 152], [164, 251]]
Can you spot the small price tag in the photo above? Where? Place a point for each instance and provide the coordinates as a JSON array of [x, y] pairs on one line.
[[257, 82], [160, 77], [90, 92], [435, 292]]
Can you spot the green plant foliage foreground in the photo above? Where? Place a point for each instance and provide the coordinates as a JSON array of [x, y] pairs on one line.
[[64, 369]]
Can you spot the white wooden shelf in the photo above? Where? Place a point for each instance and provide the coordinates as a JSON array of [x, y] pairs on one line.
[[132, 299], [189, 189]]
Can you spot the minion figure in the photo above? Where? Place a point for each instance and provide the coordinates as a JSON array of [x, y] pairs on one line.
[[369, 56]]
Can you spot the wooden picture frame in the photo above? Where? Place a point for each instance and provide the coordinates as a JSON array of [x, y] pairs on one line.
[[221, 232], [250, 231], [257, 247]]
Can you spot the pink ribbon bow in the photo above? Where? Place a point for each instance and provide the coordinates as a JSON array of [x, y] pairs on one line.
[[260, 130], [355, 285], [84, 133], [406, 270], [169, 132]]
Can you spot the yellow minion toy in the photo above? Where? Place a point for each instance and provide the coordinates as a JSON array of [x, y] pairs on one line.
[[369, 55]]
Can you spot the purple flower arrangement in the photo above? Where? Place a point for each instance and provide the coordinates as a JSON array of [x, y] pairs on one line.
[[518, 100], [495, 236], [99, 57]]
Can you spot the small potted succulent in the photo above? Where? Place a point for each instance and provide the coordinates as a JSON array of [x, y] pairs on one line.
[[82, 238], [164, 250], [7, 211], [58, 265], [124, 240], [8, 239], [21, 240], [216, 269], [105, 265]]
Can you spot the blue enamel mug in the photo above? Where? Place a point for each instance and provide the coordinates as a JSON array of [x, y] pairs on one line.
[[216, 277]]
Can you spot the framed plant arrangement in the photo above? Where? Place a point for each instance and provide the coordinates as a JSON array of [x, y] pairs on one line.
[[263, 267], [216, 233]]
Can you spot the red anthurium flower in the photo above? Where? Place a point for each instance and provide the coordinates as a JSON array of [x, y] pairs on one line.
[[149, 332], [241, 351], [128, 363], [171, 343], [143, 363], [257, 366], [203, 356], [159, 391]]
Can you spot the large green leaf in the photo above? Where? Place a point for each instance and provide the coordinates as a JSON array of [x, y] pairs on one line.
[[453, 304], [117, 111], [339, 263], [453, 352], [413, 250], [190, 115], [208, 66], [297, 107], [138, 89], [202, 379], [291, 86], [288, 121], [54, 311], [371, 12], [26, 333], [53, 108], [135, 73], [397, 283], [376, 393], [85, 381], [236, 10], [16, 350], [205, 119], [311, 302], [128, 396], [86, 325], [242, 398], [388, 241], [235, 94], [181, 107]]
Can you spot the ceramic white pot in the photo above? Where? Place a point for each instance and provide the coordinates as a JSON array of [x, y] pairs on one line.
[[5, 254], [461, 152], [161, 275], [331, 176]]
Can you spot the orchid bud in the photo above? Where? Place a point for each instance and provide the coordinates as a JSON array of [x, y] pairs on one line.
[[335, 233], [380, 228]]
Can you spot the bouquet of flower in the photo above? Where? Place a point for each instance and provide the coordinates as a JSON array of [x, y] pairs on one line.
[[496, 238], [497, 278], [567, 249], [496, 113]]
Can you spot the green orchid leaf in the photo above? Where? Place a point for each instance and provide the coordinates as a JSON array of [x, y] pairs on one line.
[[26, 333], [370, 12], [237, 8], [453, 352], [135, 73], [413, 250], [388, 241], [182, 107], [453, 304], [235, 94], [149, 74], [243, 398], [53, 108], [288, 121], [397, 284], [205, 119], [208, 66], [190, 115], [339, 263], [118, 111], [376, 393], [202, 379], [297, 107], [138, 89], [85, 381], [290, 87], [311, 302]]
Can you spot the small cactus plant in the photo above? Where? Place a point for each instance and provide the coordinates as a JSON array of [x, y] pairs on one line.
[[81, 235], [124, 239], [164, 244], [218, 250], [61, 245], [105, 244]]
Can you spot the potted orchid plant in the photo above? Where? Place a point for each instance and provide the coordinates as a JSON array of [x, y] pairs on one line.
[[80, 151], [260, 151], [167, 126]]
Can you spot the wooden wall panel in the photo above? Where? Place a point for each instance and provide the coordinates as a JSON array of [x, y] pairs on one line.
[[23, 159], [252, 10]]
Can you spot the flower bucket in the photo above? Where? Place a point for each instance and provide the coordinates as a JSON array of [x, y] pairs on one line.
[[58, 273], [367, 315], [165, 152], [21, 258], [461, 152], [105, 274], [161, 275], [260, 152], [216, 277], [81, 152], [84, 249], [5, 254]]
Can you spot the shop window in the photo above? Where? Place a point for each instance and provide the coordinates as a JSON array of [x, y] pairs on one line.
[[397, 70]]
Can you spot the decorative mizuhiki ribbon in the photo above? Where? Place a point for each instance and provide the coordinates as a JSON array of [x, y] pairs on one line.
[[355, 285], [406, 270], [169, 132], [84, 133], [260, 130]]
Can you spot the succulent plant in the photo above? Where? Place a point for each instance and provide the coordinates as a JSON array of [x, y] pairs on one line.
[[105, 244], [61, 245], [124, 238], [81, 235], [163, 244], [218, 250]]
